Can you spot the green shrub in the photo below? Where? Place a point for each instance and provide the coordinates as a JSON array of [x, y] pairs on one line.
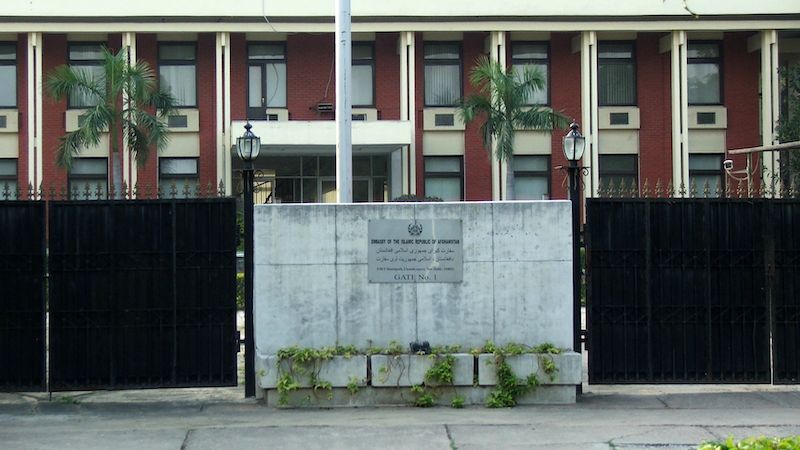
[[754, 443], [416, 198], [240, 291]]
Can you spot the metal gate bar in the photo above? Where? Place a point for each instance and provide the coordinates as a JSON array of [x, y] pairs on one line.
[[22, 296]]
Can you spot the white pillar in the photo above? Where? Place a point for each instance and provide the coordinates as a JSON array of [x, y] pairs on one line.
[[497, 52], [129, 166], [770, 108], [223, 112], [680, 114], [590, 125], [35, 163], [344, 143], [407, 51]]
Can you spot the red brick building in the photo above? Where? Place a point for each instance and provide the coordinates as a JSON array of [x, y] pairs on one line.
[[661, 96]]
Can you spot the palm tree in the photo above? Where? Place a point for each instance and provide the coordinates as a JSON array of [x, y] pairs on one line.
[[125, 94], [503, 100]]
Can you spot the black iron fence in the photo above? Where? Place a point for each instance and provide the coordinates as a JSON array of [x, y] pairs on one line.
[[142, 294], [692, 290], [22, 297]]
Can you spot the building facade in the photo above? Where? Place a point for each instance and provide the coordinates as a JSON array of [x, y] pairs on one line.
[[662, 94]]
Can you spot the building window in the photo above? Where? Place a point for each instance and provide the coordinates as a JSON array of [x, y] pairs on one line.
[[363, 75], [266, 78], [177, 69], [8, 179], [442, 73], [181, 173], [444, 177], [8, 75], [534, 55], [88, 179], [616, 74], [614, 170], [312, 179], [86, 58], [703, 73], [706, 168], [532, 177]]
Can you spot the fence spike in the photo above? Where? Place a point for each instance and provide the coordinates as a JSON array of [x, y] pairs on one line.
[[634, 188], [40, 192], [112, 190], [670, 189], [148, 190], [173, 190], [622, 189], [198, 192], [658, 188], [135, 192], [187, 191], [718, 190], [706, 189], [693, 189], [646, 189], [124, 189], [727, 190], [98, 192], [682, 189], [6, 191], [221, 189], [611, 189], [160, 190], [52, 191], [210, 190], [30, 191]]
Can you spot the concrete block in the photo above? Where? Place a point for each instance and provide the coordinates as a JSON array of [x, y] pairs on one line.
[[568, 364], [338, 371], [533, 303], [294, 234], [373, 314], [532, 231], [409, 370], [294, 305], [458, 313]]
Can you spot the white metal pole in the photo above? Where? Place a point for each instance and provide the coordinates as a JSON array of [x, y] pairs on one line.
[[344, 142]]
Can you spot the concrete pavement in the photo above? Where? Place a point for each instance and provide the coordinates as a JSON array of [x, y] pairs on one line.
[[636, 417]]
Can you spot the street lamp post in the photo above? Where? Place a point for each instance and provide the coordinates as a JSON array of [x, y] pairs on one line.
[[574, 144], [248, 147]]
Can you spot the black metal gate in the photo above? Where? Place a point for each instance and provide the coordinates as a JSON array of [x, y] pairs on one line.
[[689, 291], [142, 294], [22, 296]]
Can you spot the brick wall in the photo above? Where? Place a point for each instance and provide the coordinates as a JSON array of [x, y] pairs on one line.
[[238, 78], [147, 51], [740, 94], [53, 123], [565, 96], [477, 166], [387, 76], [310, 72], [207, 104], [22, 107], [653, 75]]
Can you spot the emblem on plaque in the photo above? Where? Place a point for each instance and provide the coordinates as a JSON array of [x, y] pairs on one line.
[[415, 229]]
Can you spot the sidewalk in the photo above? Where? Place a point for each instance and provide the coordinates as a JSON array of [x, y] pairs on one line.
[[637, 417]]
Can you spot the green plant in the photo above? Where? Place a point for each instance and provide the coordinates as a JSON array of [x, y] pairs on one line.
[[457, 402], [754, 443], [302, 362], [509, 387], [353, 385], [240, 291], [141, 118]]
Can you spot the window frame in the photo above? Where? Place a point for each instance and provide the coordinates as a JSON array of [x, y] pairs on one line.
[[459, 175], [165, 179], [364, 62], [261, 112], [544, 173], [459, 62], [74, 63], [525, 61], [618, 62], [15, 64], [718, 60], [87, 178], [12, 180], [624, 175], [708, 173], [162, 62]]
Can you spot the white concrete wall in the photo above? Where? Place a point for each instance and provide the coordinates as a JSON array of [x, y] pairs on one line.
[[312, 288]]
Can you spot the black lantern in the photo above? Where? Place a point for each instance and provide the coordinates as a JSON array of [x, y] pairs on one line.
[[574, 144]]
